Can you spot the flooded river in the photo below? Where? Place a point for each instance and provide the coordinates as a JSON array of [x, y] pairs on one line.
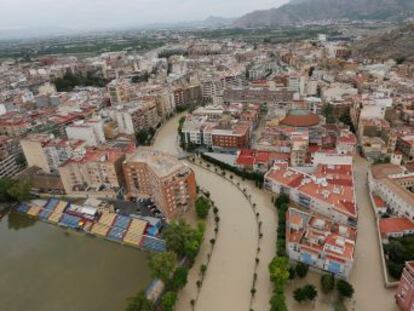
[[46, 268]]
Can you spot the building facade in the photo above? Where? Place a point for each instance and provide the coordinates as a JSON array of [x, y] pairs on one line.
[[11, 157], [405, 291], [319, 242], [94, 171], [170, 183]]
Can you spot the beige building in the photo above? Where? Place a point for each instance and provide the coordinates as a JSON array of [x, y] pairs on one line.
[[48, 153], [393, 184], [169, 182], [135, 116], [94, 171]]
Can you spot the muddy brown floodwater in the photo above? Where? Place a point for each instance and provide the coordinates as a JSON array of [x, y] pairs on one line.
[[228, 281], [45, 268], [230, 274]]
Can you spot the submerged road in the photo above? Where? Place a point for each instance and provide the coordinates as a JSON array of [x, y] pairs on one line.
[[229, 277]]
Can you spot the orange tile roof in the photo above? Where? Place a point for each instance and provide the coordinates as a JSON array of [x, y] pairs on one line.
[[379, 203], [395, 225], [286, 176]]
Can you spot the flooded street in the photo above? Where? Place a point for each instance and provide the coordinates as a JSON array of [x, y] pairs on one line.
[[45, 268], [230, 274], [228, 280], [366, 275]]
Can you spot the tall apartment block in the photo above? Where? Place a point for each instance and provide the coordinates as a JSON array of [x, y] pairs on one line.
[[10, 157], [155, 174]]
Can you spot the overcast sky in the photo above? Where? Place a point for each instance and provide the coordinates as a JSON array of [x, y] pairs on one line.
[[112, 13]]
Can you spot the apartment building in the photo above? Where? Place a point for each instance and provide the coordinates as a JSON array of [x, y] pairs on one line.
[[165, 103], [393, 184], [225, 134], [395, 227], [210, 89], [259, 161], [48, 153], [318, 242], [296, 83], [10, 157], [169, 182], [91, 131], [346, 143], [12, 125], [94, 171], [328, 190], [231, 137], [185, 96], [119, 91], [406, 145], [257, 95], [405, 291], [135, 116]]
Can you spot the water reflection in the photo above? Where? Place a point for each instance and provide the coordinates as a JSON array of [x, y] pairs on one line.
[[73, 271], [16, 221]]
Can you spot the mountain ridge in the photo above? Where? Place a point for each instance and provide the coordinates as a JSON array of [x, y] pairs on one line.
[[305, 11], [397, 44]]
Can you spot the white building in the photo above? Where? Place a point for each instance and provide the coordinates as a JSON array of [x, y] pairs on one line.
[[392, 183], [91, 131], [136, 116]]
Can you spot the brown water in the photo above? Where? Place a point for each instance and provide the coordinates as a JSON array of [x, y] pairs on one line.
[[228, 279], [230, 273], [45, 268]]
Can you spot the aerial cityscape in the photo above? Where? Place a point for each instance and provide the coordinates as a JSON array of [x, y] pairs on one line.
[[207, 156]]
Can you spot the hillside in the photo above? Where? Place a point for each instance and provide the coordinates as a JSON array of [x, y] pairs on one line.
[[398, 45], [302, 11]]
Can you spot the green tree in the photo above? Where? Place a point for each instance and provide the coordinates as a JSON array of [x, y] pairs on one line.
[[327, 283], [310, 292], [301, 269], [140, 78], [306, 293], [327, 112], [278, 302], [162, 265], [182, 239], [279, 271], [169, 300], [346, 119], [179, 279], [299, 295], [344, 289], [281, 200], [192, 245], [5, 185], [292, 273], [202, 207], [139, 303], [142, 137], [68, 82], [20, 190]]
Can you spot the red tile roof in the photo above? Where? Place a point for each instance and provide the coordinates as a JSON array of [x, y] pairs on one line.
[[301, 120], [249, 157], [395, 225], [379, 203]]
